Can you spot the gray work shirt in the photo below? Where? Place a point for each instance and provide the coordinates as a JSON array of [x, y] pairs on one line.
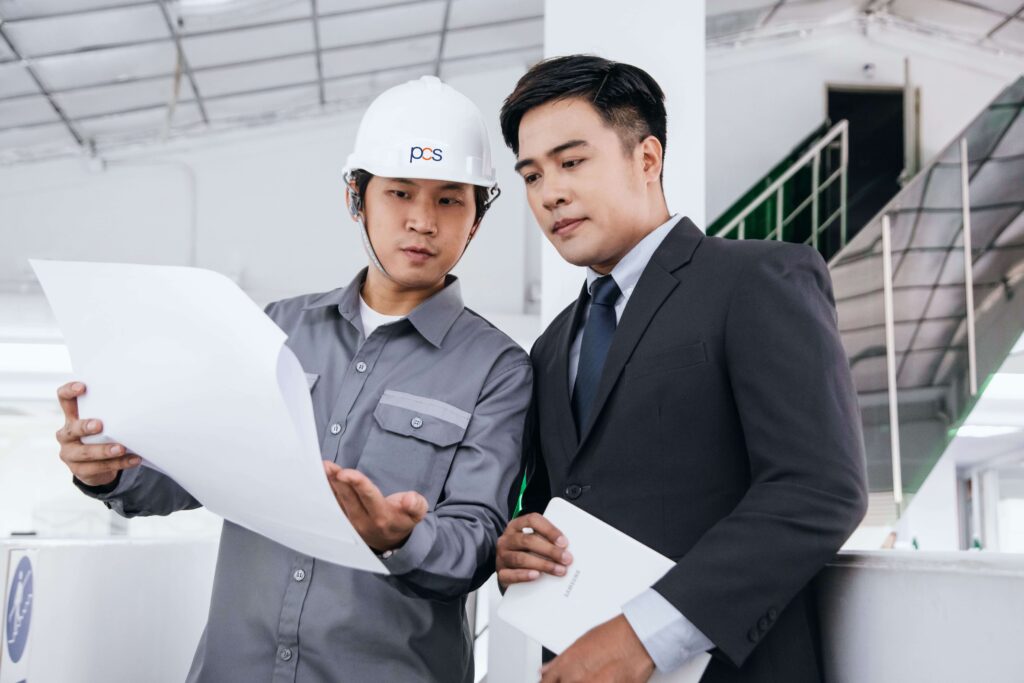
[[433, 403]]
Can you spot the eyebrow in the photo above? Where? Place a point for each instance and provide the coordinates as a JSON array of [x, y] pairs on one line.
[[446, 186], [554, 151]]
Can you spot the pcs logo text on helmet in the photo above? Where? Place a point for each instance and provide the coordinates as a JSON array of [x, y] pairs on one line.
[[425, 154]]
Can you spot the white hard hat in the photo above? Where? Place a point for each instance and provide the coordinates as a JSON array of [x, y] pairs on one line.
[[424, 129]]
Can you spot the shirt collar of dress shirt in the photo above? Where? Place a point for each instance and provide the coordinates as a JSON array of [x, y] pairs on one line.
[[432, 318], [627, 272]]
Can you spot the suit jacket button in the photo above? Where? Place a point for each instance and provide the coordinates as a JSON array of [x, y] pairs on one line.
[[772, 614], [753, 635], [762, 624], [573, 491]]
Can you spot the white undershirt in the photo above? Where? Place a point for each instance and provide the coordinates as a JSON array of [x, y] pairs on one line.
[[371, 319]]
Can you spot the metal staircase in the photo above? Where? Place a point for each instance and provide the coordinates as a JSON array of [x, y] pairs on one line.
[[923, 326]]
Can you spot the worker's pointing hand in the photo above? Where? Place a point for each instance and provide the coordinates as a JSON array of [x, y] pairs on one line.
[[383, 522]]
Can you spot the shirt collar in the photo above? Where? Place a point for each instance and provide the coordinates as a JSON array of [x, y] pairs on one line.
[[627, 272], [432, 318]]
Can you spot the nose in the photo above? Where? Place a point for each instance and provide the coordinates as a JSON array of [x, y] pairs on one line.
[[555, 194], [422, 218]]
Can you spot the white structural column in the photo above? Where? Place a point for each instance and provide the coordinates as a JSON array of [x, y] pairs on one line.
[[666, 39]]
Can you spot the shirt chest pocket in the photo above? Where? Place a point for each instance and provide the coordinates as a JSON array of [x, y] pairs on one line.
[[411, 444]]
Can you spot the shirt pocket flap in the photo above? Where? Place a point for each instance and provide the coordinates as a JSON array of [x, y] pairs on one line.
[[426, 419]]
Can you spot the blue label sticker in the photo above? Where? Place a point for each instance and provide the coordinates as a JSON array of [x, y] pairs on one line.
[[19, 609]]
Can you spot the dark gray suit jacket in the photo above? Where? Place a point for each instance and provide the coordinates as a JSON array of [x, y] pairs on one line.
[[725, 434]]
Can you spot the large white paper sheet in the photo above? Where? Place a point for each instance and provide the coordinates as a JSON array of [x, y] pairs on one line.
[[186, 371], [608, 570]]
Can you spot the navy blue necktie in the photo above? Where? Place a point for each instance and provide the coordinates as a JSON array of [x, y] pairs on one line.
[[597, 337]]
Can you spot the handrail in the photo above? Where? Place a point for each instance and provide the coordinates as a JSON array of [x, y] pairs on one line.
[[813, 155]]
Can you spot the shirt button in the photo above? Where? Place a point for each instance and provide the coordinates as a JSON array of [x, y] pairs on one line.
[[299, 574], [574, 491], [417, 422], [285, 654], [360, 366], [335, 429]]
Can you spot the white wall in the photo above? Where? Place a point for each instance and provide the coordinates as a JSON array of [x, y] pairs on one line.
[[764, 97]]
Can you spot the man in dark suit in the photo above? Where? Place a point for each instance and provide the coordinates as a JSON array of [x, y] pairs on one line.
[[696, 396]]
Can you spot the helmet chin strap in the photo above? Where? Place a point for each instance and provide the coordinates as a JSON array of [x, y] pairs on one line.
[[368, 246]]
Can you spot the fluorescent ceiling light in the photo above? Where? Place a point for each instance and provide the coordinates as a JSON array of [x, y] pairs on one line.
[[34, 358], [985, 431]]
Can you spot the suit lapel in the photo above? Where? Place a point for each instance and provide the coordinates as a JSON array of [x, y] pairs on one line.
[[655, 285], [559, 396]]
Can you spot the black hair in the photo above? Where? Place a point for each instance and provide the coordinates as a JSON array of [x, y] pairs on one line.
[[625, 96], [483, 197]]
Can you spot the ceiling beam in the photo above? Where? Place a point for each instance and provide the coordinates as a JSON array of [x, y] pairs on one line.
[[182, 59], [275, 88], [315, 8], [444, 37], [275, 58], [235, 29], [42, 89]]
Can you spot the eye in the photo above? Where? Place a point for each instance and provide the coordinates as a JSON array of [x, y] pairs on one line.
[[400, 194], [531, 178], [571, 163], [450, 201]]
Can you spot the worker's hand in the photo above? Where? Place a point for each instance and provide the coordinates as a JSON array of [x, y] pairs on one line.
[[383, 522], [609, 653], [531, 545], [93, 465]]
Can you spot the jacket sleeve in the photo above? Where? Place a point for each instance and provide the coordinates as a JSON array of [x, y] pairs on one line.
[[141, 492], [798, 409], [451, 552]]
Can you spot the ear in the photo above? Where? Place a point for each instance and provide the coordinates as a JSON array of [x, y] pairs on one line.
[[652, 158], [353, 211]]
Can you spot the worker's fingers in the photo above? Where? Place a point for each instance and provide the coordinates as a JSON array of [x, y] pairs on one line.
[[73, 430], [75, 453], [68, 395], [411, 503], [87, 470], [348, 499], [369, 495]]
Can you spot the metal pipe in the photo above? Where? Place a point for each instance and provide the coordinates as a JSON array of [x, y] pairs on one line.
[[965, 196], [778, 213], [815, 172], [890, 366], [844, 164]]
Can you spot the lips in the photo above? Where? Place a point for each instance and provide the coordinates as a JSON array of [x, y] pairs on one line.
[[418, 255], [566, 225]]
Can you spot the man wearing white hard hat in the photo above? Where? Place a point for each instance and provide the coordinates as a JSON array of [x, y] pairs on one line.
[[419, 405]]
